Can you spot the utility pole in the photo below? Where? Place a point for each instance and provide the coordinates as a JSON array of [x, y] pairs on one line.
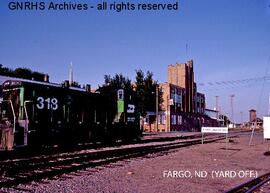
[[217, 107], [232, 118], [71, 74], [168, 114], [187, 51], [269, 106], [157, 107], [241, 113]]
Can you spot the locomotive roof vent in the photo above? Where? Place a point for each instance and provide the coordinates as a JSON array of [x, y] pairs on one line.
[[88, 88], [46, 78], [66, 84]]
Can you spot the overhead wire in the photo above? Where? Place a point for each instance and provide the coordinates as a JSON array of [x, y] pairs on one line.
[[232, 84], [263, 85]]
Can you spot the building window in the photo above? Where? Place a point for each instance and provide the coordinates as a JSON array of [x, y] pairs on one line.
[[179, 119], [173, 120], [161, 119], [146, 120]]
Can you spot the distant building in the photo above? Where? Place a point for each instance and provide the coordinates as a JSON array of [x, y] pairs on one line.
[[183, 75], [252, 115], [211, 113], [183, 108], [200, 103], [173, 107], [258, 123], [254, 121], [223, 120], [216, 115]]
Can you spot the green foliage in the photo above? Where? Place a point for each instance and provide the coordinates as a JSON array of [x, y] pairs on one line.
[[110, 87], [140, 89], [117, 82], [22, 73], [145, 89], [146, 92], [112, 84]]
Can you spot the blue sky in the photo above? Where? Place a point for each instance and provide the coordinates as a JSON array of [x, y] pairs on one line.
[[227, 39]]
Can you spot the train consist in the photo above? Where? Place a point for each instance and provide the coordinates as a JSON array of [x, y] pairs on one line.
[[43, 114]]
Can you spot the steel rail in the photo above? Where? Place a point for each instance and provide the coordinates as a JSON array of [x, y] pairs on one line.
[[251, 185], [17, 176], [28, 153]]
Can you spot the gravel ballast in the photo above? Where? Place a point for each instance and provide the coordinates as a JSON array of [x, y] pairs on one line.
[[171, 172]]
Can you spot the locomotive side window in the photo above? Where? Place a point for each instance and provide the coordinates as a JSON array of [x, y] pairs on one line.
[[120, 94], [13, 96]]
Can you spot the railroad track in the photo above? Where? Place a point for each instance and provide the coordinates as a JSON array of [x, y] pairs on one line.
[[252, 185], [26, 152], [14, 172]]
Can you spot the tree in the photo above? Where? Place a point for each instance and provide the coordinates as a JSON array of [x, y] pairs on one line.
[[146, 92], [112, 84], [4, 70], [110, 87], [25, 73], [38, 76], [140, 89], [117, 82]]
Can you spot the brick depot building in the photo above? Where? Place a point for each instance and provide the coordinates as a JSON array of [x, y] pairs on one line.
[[183, 108]]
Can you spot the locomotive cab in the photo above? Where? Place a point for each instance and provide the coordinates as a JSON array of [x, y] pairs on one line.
[[13, 123], [31, 113]]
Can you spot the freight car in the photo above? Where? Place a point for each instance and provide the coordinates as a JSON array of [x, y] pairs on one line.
[[44, 114]]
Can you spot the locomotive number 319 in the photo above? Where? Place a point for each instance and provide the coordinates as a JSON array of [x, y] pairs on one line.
[[48, 103]]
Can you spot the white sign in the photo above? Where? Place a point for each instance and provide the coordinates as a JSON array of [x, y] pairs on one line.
[[214, 129], [231, 126], [266, 127]]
